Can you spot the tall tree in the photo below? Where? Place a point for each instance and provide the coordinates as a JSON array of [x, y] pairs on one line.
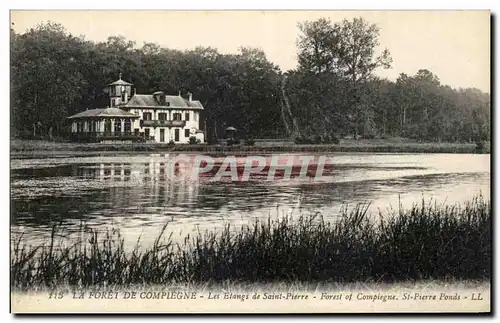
[[46, 78], [317, 45], [346, 49], [357, 61]]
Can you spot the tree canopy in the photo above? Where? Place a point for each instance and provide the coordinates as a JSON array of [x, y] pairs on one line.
[[333, 91]]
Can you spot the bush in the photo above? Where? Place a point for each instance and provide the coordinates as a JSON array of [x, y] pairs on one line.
[[334, 140], [479, 146], [232, 141], [304, 140], [249, 142], [194, 141], [171, 143], [317, 140]]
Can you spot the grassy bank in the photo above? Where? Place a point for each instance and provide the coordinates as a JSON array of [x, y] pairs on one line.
[[381, 146], [426, 242]]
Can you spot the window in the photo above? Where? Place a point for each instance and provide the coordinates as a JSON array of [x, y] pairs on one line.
[[127, 126], [177, 116], [187, 133], [118, 125], [187, 116], [147, 116], [176, 135], [162, 116], [107, 125]]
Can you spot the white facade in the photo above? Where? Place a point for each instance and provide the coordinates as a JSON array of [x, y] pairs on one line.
[[165, 124], [162, 118]]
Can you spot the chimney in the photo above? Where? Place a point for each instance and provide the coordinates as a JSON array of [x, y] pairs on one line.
[[190, 96]]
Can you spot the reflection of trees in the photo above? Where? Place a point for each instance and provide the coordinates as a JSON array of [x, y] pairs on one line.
[[128, 189], [152, 187], [158, 184], [30, 173], [49, 210], [243, 196], [134, 189]]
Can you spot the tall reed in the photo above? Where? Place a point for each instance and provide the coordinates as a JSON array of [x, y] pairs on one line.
[[425, 242]]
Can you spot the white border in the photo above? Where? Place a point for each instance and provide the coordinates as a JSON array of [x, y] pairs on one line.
[[191, 5], [260, 5]]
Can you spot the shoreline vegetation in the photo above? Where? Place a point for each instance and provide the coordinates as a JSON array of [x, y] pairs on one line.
[[20, 147], [424, 243]]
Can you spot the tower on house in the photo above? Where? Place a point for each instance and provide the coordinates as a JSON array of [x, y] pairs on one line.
[[119, 92]]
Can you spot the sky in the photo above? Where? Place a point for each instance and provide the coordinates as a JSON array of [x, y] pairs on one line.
[[454, 45]]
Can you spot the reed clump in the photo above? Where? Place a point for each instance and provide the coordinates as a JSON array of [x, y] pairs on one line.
[[424, 242]]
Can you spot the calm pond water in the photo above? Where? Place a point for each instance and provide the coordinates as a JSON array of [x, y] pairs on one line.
[[137, 194]]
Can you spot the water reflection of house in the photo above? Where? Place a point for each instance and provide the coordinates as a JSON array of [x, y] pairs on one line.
[[155, 179], [153, 117]]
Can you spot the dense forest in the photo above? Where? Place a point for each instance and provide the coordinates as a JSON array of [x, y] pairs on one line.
[[334, 92]]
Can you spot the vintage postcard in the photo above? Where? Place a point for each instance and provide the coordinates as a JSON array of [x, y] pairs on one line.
[[250, 162]]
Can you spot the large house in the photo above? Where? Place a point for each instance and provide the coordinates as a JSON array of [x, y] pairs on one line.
[[152, 117]]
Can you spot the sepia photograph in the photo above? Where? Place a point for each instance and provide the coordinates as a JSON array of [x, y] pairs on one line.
[[254, 162]]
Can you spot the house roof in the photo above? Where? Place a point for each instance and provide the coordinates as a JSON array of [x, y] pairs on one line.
[[197, 104], [108, 112], [148, 101], [120, 82]]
